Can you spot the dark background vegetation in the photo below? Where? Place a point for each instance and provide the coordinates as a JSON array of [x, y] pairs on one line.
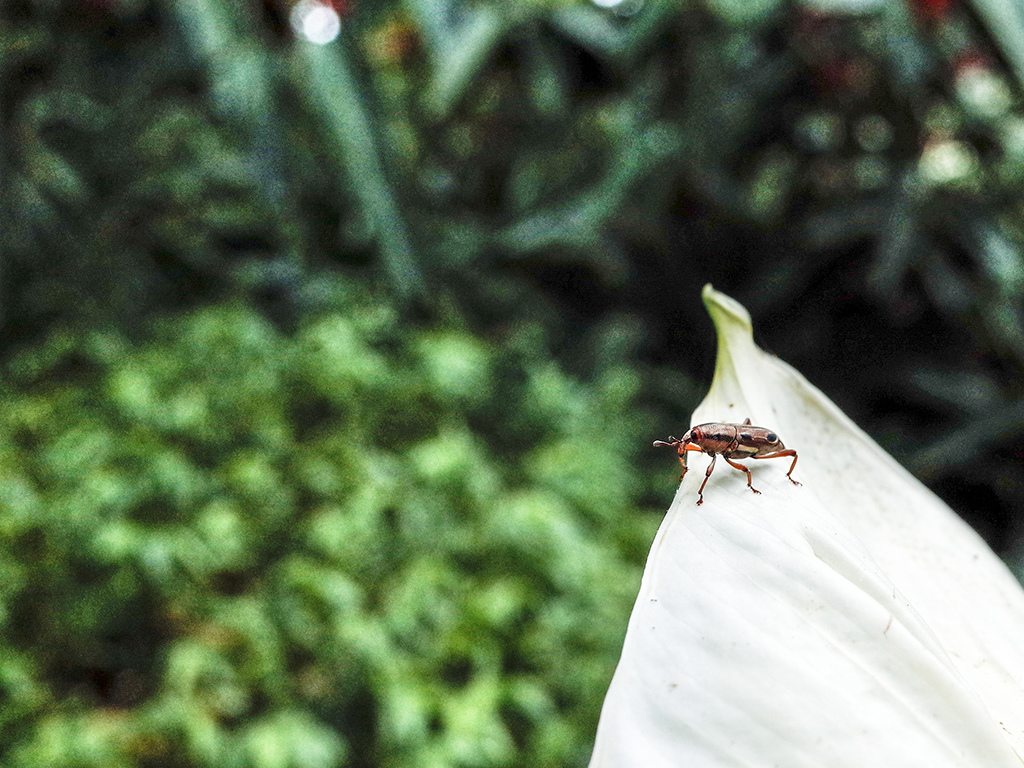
[[330, 372]]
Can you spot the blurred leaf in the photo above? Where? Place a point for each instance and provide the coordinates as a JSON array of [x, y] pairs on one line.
[[1005, 22], [292, 739], [466, 50], [331, 87]]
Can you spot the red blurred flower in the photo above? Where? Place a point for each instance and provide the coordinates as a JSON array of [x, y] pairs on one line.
[[933, 10]]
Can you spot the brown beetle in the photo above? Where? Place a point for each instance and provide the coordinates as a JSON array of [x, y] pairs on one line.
[[732, 441]]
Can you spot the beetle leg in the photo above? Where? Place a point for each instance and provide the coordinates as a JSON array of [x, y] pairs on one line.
[[779, 455], [740, 467], [707, 475], [683, 448]]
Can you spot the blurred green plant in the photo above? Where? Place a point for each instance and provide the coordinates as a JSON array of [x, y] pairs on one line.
[[562, 174], [231, 547]]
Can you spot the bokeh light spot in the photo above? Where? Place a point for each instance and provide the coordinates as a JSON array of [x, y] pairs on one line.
[[317, 22]]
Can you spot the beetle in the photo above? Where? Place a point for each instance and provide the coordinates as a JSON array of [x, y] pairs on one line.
[[731, 441]]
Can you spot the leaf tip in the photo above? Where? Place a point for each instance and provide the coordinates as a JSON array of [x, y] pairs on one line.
[[726, 313], [734, 329]]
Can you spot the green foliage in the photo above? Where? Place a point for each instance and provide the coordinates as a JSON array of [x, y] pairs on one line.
[[231, 547], [369, 542]]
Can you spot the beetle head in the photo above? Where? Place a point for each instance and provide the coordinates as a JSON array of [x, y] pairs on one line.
[[673, 442]]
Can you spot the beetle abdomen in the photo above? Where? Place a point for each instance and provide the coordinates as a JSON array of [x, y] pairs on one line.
[[741, 451]]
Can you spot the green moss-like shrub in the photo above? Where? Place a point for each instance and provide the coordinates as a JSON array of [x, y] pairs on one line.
[[357, 545]]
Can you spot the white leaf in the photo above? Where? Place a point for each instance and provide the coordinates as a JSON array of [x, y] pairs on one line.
[[853, 621]]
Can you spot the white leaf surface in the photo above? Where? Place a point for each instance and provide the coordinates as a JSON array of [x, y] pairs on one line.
[[853, 621]]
